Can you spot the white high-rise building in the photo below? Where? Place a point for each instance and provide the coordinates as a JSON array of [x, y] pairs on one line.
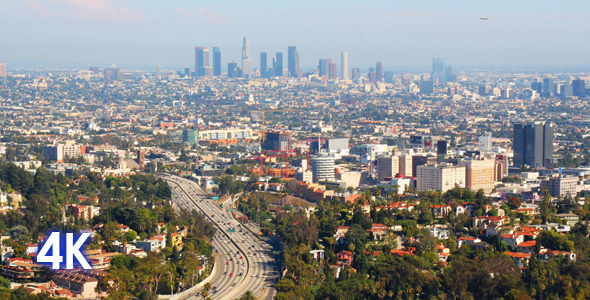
[[344, 66], [323, 168], [439, 177], [247, 66]]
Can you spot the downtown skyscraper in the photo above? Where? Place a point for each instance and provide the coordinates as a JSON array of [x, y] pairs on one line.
[[216, 61], [201, 61], [263, 65], [379, 72], [293, 61], [438, 70], [247, 67], [344, 66], [278, 64], [533, 144]]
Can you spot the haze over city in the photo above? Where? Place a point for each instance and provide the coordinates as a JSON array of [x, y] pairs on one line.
[[404, 35]]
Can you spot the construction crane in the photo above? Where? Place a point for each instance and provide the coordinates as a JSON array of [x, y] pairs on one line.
[[263, 132]]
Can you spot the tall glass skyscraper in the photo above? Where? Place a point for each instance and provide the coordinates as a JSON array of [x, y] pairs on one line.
[[263, 65], [201, 61], [278, 65], [344, 66], [216, 61], [438, 70], [293, 61], [533, 144]]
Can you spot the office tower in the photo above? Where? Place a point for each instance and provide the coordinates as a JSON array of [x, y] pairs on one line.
[[426, 87], [344, 66], [439, 177], [324, 66], [405, 165], [356, 73], [190, 136], [263, 65], [479, 174], [247, 67], [379, 72], [560, 186], [549, 87], [277, 141], [372, 76], [157, 71], [187, 72], [232, 70], [323, 168], [387, 167], [438, 70], [578, 85], [201, 61], [537, 86], [216, 61], [388, 76], [278, 64], [333, 71], [533, 144], [566, 91], [2, 70], [293, 61], [441, 148]]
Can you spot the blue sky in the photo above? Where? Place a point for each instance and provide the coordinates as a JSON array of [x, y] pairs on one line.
[[402, 34]]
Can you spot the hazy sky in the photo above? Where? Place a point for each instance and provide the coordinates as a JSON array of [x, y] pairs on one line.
[[401, 33]]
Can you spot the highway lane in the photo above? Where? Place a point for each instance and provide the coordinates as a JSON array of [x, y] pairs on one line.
[[241, 253]]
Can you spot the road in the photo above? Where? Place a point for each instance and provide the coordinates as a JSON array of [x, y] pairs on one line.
[[242, 260]]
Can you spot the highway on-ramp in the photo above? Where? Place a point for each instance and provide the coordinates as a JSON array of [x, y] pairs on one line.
[[243, 261]]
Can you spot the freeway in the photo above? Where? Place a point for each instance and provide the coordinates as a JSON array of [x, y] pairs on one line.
[[243, 261]]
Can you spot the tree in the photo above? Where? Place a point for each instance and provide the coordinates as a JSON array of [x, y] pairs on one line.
[[248, 295], [18, 231]]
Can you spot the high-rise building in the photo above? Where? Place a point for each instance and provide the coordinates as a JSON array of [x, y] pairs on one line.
[[438, 70], [324, 66], [379, 72], [293, 61], [157, 71], [549, 87], [356, 73], [232, 70], [277, 141], [344, 66], [388, 76], [440, 177], [441, 148], [479, 174], [387, 167], [201, 61], [2, 70], [323, 168], [578, 85], [333, 71], [278, 64], [216, 61], [533, 144], [247, 67], [405, 165], [263, 65]]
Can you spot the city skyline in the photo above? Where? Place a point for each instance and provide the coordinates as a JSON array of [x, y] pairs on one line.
[[401, 35]]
